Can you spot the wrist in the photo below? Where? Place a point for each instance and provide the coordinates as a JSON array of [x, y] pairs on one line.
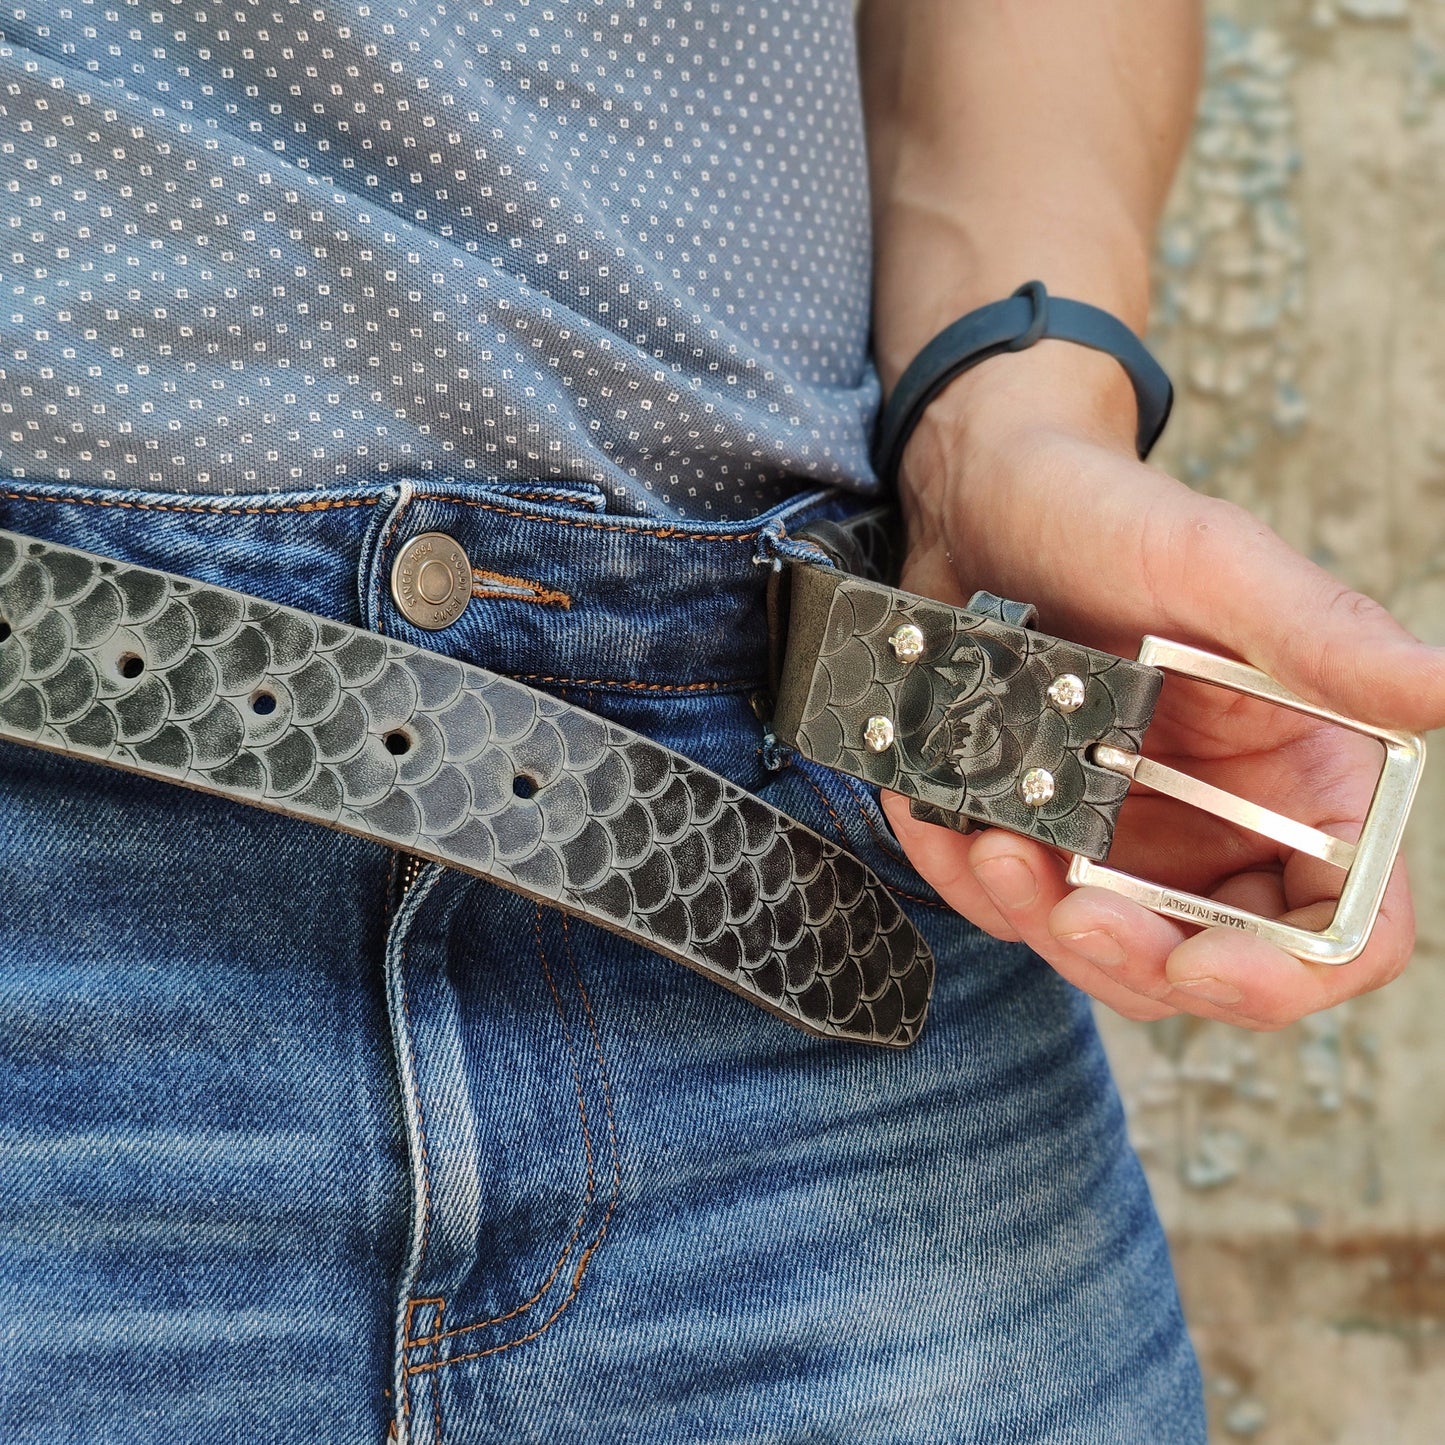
[[1011, 401], [929, 275]]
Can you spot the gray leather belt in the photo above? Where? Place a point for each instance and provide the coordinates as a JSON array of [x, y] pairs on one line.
[[969, 711]]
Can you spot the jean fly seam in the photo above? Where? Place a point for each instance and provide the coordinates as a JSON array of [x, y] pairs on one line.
[[601, 1234], [414, 1090], [613, 1148], [586, 1259], [886, 841], [420, 1120], [887, 844], [591, 1191]]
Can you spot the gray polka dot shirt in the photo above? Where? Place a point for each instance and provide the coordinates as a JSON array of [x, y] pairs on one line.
[[289, 245]]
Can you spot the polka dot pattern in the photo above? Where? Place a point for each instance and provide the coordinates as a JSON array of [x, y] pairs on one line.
[[617, 243]]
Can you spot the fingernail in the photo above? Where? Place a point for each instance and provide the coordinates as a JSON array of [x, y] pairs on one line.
[[1097, 946], [1211, 990], [1008, 881]]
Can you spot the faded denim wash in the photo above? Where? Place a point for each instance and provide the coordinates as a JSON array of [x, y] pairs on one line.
[[289, 1152]]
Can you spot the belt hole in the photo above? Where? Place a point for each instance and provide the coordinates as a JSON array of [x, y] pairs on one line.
[[4, 630], [132, 665], [263, 704], [523, 786], [397, 743]]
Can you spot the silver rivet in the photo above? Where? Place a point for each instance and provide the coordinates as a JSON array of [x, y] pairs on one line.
[[431, 581], [907, 643], [1037, 787], [1066, 692], [878, 733]]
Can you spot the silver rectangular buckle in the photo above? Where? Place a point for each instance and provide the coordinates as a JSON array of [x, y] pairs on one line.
[[1367, 863]]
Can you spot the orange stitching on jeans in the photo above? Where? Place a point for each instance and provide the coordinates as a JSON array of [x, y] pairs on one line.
[[586, 1257], [601, 1072], [738, 686], [436, 1392], [527, 591], [555, 496], [324, 505], [672, 533], [440, 1305], [892, 847], [888, 845], [582, 1263], [591, 1194], [415, 1341], [320, 505], [823, 798]]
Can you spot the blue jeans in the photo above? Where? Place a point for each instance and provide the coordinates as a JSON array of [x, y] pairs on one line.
[[298, 1144]]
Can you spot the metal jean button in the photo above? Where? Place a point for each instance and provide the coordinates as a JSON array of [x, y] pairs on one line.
[[431, 581]]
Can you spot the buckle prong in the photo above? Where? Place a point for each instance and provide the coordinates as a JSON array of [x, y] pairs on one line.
[[1161, 779], [1367, 862]]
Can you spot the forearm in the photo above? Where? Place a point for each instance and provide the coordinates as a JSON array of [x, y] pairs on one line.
[[1012, 139]]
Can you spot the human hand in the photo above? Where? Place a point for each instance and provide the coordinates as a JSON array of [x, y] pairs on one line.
[[1023, 480]]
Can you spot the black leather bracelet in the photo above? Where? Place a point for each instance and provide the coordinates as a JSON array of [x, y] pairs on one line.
[[1028, 316]]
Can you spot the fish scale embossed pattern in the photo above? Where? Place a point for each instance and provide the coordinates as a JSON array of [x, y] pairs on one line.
[[972, 714], [283, 710]]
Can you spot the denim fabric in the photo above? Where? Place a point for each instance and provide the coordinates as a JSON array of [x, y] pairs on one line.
[[292, 1151]]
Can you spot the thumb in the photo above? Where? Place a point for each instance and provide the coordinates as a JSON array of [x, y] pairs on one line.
[[1237, 580]]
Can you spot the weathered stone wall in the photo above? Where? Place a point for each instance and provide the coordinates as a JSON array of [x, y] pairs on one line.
[[1301, 308]]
